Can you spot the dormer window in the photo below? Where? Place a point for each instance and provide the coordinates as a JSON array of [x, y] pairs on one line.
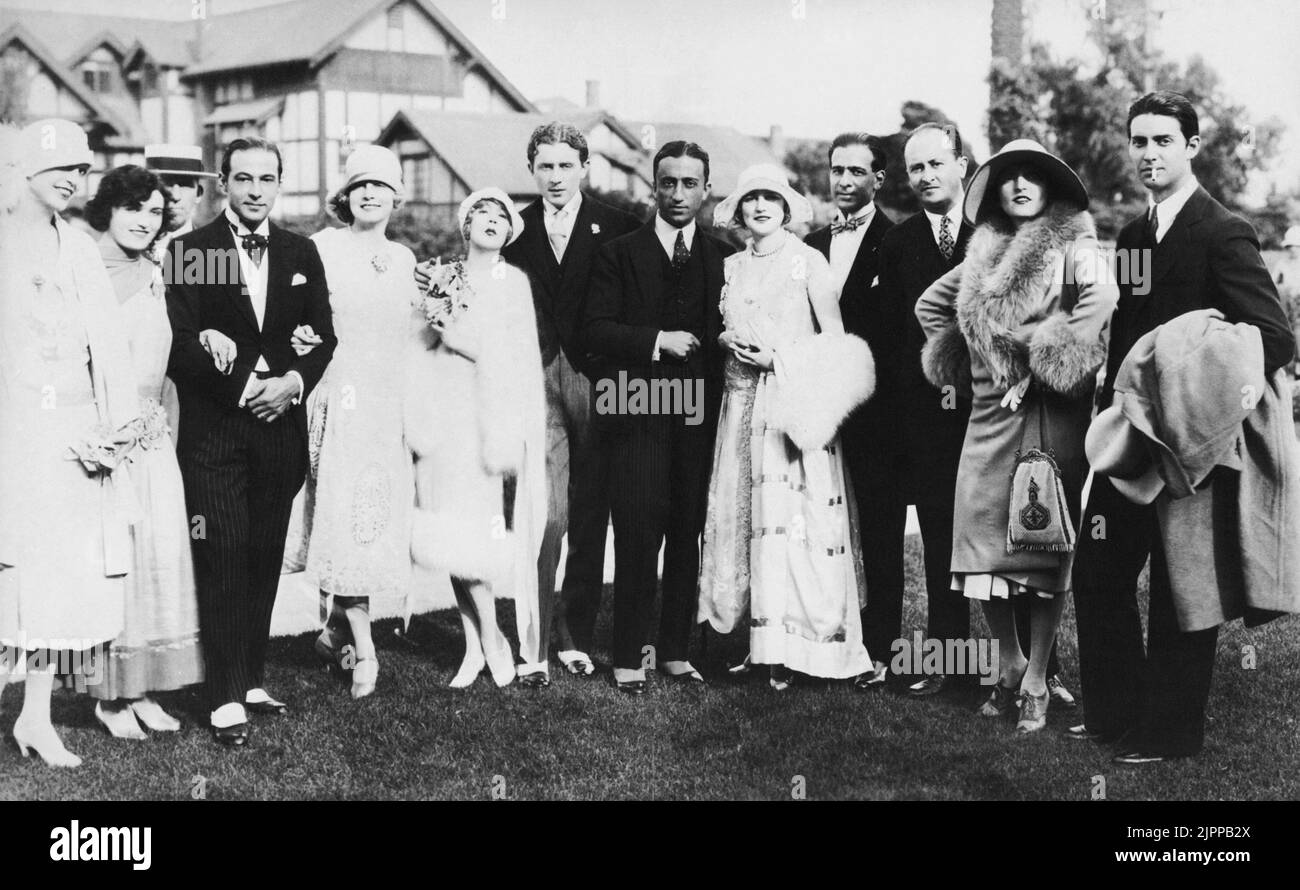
[[97, 71]]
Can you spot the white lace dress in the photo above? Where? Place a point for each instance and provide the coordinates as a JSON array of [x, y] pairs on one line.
[[357, 511], [780, 538]]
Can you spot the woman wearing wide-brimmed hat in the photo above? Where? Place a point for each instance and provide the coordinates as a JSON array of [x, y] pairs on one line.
[[780, 538], [1022, 324], [475, 420], [357, 505]]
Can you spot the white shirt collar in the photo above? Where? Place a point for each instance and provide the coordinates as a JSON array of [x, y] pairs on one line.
[[263, 229], [953, 214], [572, 207], [1171, 206], [668, 234]]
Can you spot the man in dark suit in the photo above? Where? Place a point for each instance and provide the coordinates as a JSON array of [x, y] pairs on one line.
[[931, 424], [243, 428], [1202, 256], [870, 434], [563, 229], [653, 314]]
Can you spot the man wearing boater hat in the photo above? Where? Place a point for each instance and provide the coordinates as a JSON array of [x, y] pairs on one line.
[[181, 169], [1202, 256]]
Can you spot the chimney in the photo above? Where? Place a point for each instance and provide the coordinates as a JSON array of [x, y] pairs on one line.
[[1008, 31], [593, 94], [776, 141]]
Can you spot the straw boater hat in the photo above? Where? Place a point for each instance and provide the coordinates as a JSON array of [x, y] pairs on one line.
[[766, 178], [176, 160], [516, 221], [1063, 184]]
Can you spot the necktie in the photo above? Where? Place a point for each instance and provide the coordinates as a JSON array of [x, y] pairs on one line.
[[680, 253], [255, 246], [557, 236], [1153, 226], [946, 242], [848, 225]]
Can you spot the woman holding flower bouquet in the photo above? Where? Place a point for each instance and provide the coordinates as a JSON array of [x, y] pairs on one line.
[[158, 648], [475, 420], [68, 408], [357, 515]]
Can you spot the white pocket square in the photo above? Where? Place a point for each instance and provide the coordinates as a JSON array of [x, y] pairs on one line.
[[298, 278], [875, 281]]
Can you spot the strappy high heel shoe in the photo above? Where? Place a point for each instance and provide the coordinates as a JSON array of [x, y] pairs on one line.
[[364, 676], [151, 714], [47, 744], [501, 664], [470, 668]]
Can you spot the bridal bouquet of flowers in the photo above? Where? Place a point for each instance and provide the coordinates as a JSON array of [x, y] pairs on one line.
[[447, 296], [103, 449]]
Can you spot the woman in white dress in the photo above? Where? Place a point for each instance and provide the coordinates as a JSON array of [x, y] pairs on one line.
[[67, 406], [357, 513], [475, 420], [780, 537], [158, 648]]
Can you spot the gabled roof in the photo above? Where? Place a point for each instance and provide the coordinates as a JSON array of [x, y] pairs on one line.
[[491, 149], [310, 31], [17, 32], [730, 151], [70, 37]]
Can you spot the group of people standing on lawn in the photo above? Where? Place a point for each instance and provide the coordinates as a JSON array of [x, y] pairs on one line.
[[979, 360]]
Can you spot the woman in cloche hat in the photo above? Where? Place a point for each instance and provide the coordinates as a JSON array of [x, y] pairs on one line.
[[780, 541], [476, 421], [357, 507], [1020, 325], [68, 400]]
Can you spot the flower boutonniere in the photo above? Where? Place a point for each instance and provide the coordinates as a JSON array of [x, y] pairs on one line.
[[595, 228], [380, 262], [448, 294]]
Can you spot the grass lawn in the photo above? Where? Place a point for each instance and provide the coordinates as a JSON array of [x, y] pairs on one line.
[[417, 739]]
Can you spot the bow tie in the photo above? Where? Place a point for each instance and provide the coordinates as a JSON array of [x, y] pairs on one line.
[[253, 241], [847, 225]]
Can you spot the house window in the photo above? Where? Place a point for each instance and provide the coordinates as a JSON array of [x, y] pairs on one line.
[[97, 71], [396, 27]]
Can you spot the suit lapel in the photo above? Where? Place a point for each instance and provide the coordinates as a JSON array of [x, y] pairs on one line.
[[867, 249], [277, 275], [820, 241], [1173, 247], [647, 264], [582, 243]]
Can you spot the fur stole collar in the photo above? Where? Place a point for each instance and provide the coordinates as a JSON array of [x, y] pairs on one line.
[[1004, 282]]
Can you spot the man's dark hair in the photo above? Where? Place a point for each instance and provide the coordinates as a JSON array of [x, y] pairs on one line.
[[556, 133], [127, 186], [680, 148], [949, 130], [876, 145], [250, 143], [1168, 104]]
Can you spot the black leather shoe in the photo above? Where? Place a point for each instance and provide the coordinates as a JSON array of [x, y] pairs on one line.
[[231, 736], [930, 685], [268, 708], [1083, 734], [630, 687], [690, 678], [535, 680], [1138, 758], [873, 680]]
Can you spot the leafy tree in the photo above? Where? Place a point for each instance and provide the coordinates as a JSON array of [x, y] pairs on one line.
[[1082, 118]]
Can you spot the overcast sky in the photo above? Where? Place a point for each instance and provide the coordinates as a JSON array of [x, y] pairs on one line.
[[817, 67]]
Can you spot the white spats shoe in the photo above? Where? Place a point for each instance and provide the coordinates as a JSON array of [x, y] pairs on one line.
[[364, 676], [151, 714], [576, 662], [229, 714], [121, 724]]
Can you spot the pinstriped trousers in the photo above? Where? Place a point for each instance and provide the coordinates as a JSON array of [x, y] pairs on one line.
[[240, 482]]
